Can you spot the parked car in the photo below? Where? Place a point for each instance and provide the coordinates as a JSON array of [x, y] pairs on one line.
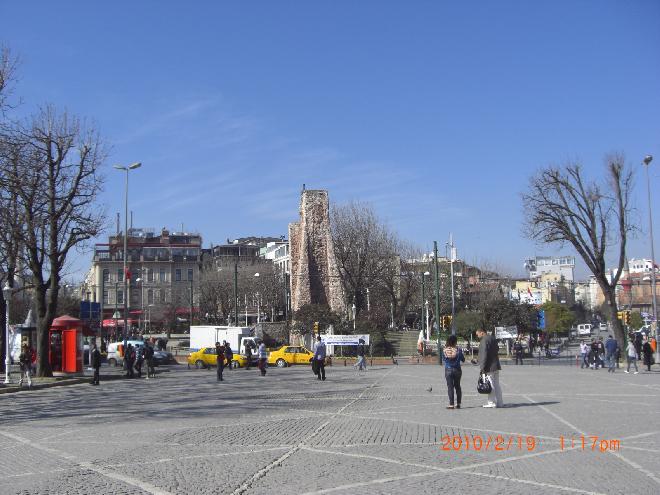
[[206, 357], [288, 355], [163, 357]]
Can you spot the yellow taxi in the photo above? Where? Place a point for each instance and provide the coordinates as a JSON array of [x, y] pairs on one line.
[[206, 357], [290, 354]]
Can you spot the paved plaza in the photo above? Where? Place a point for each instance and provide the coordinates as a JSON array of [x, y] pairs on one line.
[[381, 431]]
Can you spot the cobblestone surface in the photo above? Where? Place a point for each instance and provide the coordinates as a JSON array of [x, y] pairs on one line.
[[374, 432]]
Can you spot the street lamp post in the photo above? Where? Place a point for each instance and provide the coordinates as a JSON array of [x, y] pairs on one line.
[[6, 291], [452, 254], [353, 309], [425, 306], [647, 162], [126, 169]]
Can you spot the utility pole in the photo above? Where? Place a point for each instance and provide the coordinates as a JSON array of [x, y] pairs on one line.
[[452, 254], [236, 293], [437, 294]]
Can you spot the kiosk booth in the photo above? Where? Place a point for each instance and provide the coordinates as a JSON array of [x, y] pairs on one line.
[[66, 345]]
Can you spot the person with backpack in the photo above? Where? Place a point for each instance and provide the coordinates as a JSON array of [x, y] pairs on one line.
[[518, 350], [452, 357], [220, 359], [229, 355]]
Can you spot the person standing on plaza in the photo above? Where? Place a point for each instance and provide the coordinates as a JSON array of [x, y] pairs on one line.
[[263, 358], [593, 354], [601, 352], [149, 358], [489, 364], [139, 359], [129, 359], [220, 359], [229, 355], [631, 355], [452, 357], [96, 364], [584, 353], [518, 350], [611, 347], [319, 357], [26, 366], [647, 352], [362, 360], [248, 356]]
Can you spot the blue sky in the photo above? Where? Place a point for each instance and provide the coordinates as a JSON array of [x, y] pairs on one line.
[[434, 112]]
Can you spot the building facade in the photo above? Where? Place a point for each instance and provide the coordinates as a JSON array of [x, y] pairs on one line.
[[163, 275]]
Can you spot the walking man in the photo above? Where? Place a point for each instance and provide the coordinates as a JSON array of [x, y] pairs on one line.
[[149, 358], [96, 364], [489, 364], [129, 358], [26, 365], [612, 347], [319, 357], [584, 352], [139, 359], [263, 359], [518, 349], [631, 355], [361, 361], [220, 359], [229, 355], [248, 356]]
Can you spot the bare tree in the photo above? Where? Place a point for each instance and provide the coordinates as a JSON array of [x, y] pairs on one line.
[[56, 183], [563, 206], [365, 250]]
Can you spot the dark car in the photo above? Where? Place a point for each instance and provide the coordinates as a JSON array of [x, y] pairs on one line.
[[163, 357]]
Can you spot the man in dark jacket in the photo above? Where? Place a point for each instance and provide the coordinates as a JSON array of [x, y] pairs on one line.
[[611, 346], [220, 359], [489, 364], [149, 358], [96, 364], [518, 350]]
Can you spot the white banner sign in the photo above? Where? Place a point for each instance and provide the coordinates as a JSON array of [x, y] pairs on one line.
[[345, 339], [506, 332]]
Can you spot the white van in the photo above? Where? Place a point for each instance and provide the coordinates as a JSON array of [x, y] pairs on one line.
[[116, 351], [584, 329]]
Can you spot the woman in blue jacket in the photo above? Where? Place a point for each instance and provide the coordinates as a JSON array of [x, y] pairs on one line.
[[453, 356]]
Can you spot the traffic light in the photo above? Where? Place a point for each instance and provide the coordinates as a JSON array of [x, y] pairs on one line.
[[316, 327], [619, 315], [626, 317], [446, 321]]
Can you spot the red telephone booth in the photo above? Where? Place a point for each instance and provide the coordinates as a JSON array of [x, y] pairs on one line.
[[66, 345]]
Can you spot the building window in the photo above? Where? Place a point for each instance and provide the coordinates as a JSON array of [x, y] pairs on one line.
[[162, 275], [120, 275], [177, 275], [190, 274], [150, 296], [120, 296], [106, 297], [106, 275], [150, 275]]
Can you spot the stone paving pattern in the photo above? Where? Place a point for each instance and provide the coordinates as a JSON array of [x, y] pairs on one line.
[[374, 432]]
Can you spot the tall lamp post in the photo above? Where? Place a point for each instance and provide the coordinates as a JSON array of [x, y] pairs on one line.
[[6, 291], [425, 306], [647, 162], [353, 309], [126, 169]]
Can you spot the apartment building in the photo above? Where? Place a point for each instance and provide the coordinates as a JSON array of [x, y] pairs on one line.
[[163, 269]]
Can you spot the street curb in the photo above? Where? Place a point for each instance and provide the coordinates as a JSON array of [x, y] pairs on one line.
[[59, 383]]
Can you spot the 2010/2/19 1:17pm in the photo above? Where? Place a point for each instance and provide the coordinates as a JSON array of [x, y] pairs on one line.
[[590, 442], [496, 443]]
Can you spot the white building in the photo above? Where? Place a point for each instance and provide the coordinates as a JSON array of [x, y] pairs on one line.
[[562, 266]]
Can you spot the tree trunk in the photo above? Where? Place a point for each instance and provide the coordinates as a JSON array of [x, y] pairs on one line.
[[45, 316], [619, 335], [3, 323]]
